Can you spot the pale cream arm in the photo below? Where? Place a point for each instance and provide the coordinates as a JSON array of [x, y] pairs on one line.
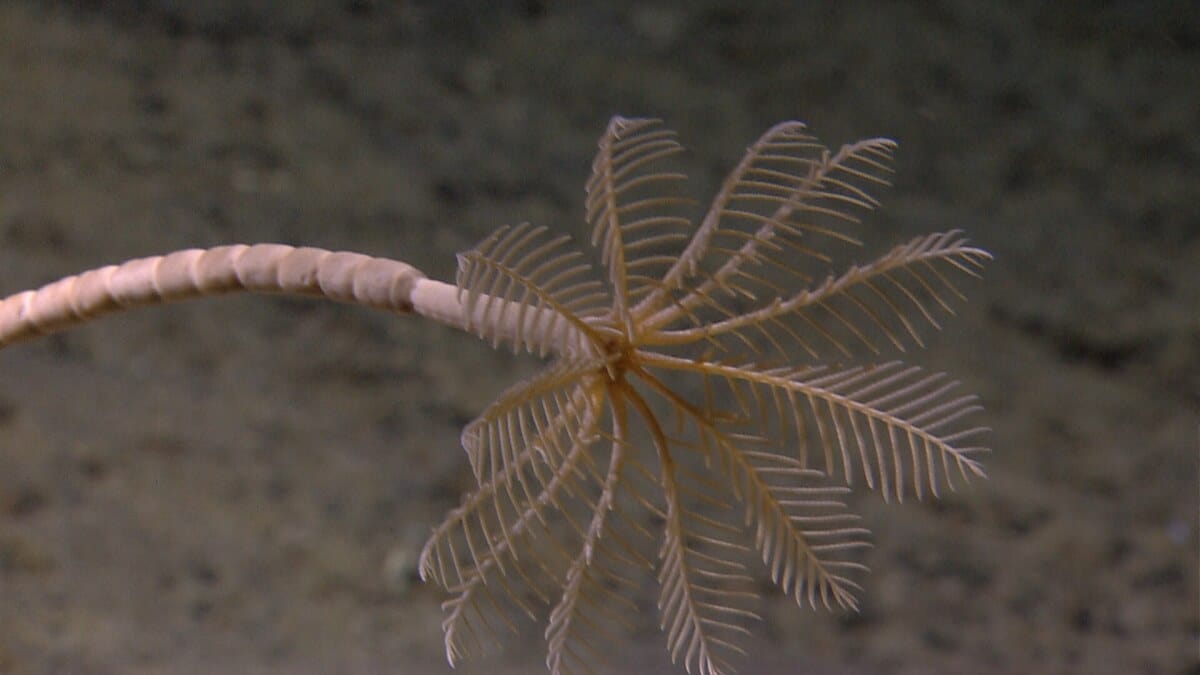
[[271, 268]]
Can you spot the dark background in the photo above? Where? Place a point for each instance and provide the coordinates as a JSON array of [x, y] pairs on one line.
[[241, 485]]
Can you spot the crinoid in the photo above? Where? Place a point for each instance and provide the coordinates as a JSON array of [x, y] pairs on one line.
[[703, 404]]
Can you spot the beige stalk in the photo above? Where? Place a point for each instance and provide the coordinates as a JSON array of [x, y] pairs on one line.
[[353, 278]]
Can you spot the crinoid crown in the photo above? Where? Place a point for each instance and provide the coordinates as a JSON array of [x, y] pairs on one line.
[[707, 396]]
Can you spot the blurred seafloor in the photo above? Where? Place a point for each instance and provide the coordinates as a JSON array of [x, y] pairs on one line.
[[239, 485]]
